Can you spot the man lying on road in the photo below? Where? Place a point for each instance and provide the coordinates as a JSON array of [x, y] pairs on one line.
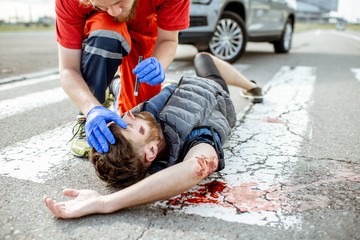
[[177, 137]]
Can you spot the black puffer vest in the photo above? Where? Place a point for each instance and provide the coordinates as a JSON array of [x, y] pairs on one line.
[[197, 102]]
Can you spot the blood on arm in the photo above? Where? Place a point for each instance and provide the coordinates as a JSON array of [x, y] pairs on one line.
[[206, 165]]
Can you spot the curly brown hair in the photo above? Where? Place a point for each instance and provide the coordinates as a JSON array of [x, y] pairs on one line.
[[122, 165]]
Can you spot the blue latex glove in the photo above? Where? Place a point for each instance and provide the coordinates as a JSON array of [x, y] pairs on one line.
[[97, 132], [150, 71]]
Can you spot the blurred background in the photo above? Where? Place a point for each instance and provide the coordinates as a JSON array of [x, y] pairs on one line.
[[16, 14], [27, 13], [24, 14], [27, 29]]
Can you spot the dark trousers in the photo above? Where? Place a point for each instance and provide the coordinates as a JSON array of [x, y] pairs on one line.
[[206, 68]]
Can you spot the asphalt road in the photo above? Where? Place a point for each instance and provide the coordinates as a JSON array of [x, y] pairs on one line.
[[22, 53], [293, 162]]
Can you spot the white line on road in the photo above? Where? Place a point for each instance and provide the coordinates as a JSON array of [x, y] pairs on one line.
[[346, 35], [25, 103], [29, 82], [182, 69], [259, 157], [39, 158], [356, 71], [34, 75]]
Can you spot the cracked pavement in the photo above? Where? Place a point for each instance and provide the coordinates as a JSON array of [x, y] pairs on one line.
[[258, 185], [292, 163]]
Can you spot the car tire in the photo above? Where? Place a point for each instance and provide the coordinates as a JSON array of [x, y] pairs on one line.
[[229, 39], [285, 42]]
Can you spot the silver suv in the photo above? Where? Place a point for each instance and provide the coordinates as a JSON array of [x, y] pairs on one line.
[[223, 27]]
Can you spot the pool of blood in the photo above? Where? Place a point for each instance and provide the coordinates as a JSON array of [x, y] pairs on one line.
[[205, 193]]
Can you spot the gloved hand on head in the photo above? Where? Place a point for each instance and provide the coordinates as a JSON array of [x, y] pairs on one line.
[[97, 132], [150, 71]]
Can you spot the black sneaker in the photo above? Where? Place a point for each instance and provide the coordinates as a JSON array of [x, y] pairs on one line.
[[254, 94]]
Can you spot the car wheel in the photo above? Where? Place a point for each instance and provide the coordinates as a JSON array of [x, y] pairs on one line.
[[284, 44], [229, 39]]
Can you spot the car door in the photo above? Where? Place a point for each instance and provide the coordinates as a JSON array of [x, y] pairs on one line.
[[277, 15], [265, 17]]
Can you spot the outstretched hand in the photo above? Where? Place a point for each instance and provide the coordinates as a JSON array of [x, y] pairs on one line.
[[86, 202]]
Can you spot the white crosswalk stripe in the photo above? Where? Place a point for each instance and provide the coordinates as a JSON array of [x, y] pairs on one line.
[[29, 82], [39, 158], [25, 103], [346, 35], [356, 71]]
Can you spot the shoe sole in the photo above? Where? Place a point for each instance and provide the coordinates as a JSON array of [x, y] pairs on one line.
[[85, 155], [257, 100], [253, 99]]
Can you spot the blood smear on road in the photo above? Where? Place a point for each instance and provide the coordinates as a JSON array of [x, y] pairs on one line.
[[260, 156]]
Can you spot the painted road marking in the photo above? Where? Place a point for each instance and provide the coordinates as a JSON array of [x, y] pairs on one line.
[[261, 149], [346, 35], [183, 68], [29, 82], [39, 158], [28, 77], [356, 71], [25, 103]]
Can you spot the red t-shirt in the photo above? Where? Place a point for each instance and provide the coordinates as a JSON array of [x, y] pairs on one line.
[[169, 15], [71, 17]]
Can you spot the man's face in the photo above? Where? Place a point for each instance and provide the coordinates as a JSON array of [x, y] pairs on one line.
[[141, 128], [121, 10]]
